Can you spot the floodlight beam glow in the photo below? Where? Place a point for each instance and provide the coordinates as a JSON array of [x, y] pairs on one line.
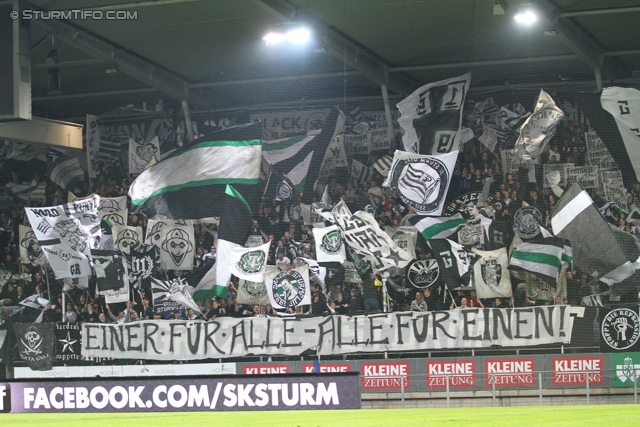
[[298, 36], [527, 17]]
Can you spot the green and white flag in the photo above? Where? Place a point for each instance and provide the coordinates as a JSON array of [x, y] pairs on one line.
[[540, 257], [437, 227], [491, 274], [249, 263], [329, 244], [289, 288], [190, 182]]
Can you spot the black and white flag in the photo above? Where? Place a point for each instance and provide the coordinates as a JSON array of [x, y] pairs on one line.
[[422, 181], [68, 343], [249, 263], [172, 295], [125, 237], [66, 234], [30, 251], [383, 165], [605, 252], [289, 288], [141, 261], [592, 301], [175, 242], [624, 105], [329, 244], [35, 344], [359, 171], [452, 259], [432, 115], [93, 132], [112, 279], [67, 174], [539, 128], [362, 232], [143, 155]]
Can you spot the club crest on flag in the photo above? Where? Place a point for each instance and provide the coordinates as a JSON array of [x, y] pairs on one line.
[[283, 191], [331, 243], [32, 341], [491, 272], [421, 183], [30, 243], [252, 290], [288, 288], [620, 328], [423, 273], [526, 222], [252, 263], [177, 244]]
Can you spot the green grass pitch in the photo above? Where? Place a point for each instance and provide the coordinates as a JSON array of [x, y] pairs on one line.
[[582, 416]]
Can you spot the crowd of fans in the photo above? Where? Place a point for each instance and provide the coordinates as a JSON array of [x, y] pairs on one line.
[[282, 223]]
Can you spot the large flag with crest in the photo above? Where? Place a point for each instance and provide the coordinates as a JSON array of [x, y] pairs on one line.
[[422, 181], [66, 234], [249, 263], [362, 232], [599, 250], [189, 183], [538, 129], [36, 343], [289, 288], [300, 158], [329, 244], [491, 274], [431, 116]]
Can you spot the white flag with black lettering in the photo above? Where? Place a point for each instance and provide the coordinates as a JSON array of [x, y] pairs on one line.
[[362, 232], [66, 234], [289, 288], [329, 244], [432, 115], [422, 181]]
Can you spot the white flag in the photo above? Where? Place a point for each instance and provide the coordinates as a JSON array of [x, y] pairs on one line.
[[249, 263], [329, 244], [289, 288], [538, 129], [66, 234], [624, 105], [422, 181], [30, 251], [491, 275], [175, 242], [432, 115], [143, 155]]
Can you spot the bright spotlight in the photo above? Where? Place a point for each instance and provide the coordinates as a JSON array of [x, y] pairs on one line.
[[274, 38], [299, 35], [526, 17]]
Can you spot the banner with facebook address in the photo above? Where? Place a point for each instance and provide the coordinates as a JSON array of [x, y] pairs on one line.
[[401, 331], [320, 391]]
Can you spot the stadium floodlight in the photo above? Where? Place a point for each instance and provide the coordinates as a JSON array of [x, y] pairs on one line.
[[294, 33], [525, 15]]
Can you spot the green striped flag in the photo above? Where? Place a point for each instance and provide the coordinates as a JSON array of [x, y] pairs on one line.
[[437, 227], [190, 183], [540, 257]]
